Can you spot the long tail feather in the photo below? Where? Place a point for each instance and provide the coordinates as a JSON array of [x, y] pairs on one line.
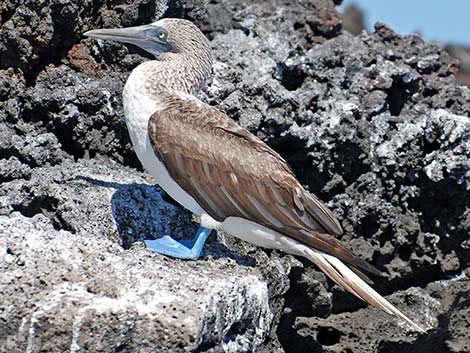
[[346, 278]]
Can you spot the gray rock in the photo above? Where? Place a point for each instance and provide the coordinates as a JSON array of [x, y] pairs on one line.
[[375, 125], [370, 123], [75, 286], [13, 169], [66, 275]]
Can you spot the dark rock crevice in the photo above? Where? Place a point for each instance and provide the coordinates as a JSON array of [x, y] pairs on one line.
[[399, 93]]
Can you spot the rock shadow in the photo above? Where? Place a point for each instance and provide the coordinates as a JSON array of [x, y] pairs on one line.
[[141, 211]]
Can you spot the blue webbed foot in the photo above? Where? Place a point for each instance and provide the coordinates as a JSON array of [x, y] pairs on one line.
[[190, 250]]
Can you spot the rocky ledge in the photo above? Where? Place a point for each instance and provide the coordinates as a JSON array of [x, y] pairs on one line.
[[373, 124]]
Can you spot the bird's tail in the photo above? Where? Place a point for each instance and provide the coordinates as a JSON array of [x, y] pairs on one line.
[[346, 278]]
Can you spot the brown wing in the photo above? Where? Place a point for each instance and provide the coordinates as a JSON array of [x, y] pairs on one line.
[[230, 172]]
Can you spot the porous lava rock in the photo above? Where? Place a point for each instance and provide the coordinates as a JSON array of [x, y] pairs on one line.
[[375, 125]]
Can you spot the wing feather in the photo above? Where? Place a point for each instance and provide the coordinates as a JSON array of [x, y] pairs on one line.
[[230, 172]]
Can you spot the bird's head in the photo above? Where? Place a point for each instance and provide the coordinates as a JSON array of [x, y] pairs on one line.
[[182, 52], [169, 35]]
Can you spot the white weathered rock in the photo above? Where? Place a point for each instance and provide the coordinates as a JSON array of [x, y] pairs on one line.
[[72, 291]]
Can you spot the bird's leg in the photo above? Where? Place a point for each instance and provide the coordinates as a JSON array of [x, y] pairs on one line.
[[190, 250]]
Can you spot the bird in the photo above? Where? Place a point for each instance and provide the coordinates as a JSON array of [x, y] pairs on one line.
[[220, 171]]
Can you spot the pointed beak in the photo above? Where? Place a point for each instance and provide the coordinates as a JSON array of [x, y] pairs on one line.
[[145, 37]]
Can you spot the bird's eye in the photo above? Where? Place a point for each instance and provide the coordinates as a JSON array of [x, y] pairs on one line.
[[161, 35]]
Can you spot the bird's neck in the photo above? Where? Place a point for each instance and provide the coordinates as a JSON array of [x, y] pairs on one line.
[[182, 73], [151, 84]]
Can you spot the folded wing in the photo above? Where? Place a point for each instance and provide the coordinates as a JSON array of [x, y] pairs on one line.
[[230, 172]]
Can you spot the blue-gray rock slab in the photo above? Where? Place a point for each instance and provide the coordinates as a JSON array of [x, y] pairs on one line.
[[67, 282]]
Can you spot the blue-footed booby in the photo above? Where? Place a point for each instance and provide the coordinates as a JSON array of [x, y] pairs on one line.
[[219, 171]]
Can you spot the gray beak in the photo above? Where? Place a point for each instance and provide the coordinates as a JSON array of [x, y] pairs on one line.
[[147, 37]]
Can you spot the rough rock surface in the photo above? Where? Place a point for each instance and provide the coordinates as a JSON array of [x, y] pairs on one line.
[[68, 259], [353, 22], [375, 125]]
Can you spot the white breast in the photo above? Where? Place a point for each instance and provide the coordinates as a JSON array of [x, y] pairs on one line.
[[138, 107]]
